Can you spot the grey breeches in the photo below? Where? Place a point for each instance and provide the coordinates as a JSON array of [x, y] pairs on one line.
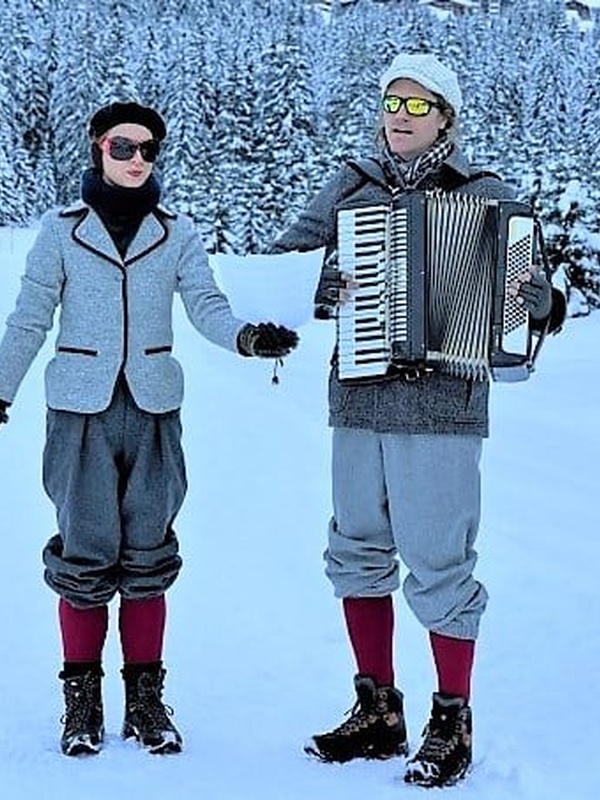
[[416, 496], [117, 480]]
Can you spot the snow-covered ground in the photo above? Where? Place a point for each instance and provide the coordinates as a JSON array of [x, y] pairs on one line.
[[256, 652]]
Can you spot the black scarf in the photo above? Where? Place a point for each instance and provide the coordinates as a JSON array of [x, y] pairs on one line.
[[121, 209]]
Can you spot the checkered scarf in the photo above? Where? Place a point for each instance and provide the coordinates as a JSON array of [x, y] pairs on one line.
[[408, 174]]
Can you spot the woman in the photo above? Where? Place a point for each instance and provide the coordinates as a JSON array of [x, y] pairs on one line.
[[406, 452], [113, 463]]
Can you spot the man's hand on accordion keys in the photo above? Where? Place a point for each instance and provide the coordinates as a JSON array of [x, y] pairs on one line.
[[534, 291], [335, 288]]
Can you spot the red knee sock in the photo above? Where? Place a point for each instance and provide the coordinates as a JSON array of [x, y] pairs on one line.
[[454, 663], [370, 623], [83, 631], [142, 628]]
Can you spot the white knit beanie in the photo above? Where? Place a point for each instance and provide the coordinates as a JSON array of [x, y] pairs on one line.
[[425, 69]]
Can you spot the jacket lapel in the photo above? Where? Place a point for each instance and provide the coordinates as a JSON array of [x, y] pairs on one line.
[[150, 234], [91, 234]]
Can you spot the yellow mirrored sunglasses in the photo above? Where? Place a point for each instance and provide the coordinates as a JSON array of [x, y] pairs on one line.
[[415, 106]]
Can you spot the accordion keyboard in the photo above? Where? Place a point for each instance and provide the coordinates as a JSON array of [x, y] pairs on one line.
[[363, 346]]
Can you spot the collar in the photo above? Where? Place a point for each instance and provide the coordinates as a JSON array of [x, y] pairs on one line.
[[373, 169], [458, 162], [91, 233], [80, 207], [119, 204]]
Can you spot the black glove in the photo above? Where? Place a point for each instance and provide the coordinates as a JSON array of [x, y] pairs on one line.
[[328, 293], [3, 411], [266, 340], [536, 293]]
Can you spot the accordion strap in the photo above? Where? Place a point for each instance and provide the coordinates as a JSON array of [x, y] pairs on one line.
[[543, 332]]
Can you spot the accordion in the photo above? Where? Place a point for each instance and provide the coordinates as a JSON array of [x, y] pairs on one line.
[[432, 272]]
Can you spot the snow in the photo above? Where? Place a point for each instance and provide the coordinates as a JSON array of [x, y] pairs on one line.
[[256, 653]]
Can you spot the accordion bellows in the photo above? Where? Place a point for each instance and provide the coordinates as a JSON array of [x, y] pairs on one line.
[[432, 271]]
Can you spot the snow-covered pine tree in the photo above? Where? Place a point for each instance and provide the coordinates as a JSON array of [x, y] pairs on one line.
[[486, 97], [573, 245], [531, 108], [26, 73], [42, 75], [287, 143], [353, 106], [236, 134], [553, 106], [12, 210], [189, 107], [586, 127], [76, 92], [116, 42], [150, 62]]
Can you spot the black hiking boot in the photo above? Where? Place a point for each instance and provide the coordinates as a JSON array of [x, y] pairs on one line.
[[375, 728], [83, 719], [147, 718], [446, 752]]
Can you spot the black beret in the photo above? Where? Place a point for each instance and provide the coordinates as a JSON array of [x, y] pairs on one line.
[[116, 113]]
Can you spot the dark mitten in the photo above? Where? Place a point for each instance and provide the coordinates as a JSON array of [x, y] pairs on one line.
[[3, 411], [266, 340], [328, 293], [537, 295]]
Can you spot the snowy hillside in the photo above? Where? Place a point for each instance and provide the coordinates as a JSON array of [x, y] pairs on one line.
[[256, 652]]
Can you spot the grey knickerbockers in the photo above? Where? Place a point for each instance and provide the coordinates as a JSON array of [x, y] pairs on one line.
[[416, 496], [117, 479]]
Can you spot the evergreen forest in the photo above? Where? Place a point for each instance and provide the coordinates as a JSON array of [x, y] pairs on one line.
[[264, 99]]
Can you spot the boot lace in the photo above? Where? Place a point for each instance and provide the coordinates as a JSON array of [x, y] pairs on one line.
[[152, 711], [79, 702], [360, 719], [439, 742]]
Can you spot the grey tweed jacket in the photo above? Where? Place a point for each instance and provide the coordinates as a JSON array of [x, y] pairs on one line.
[[436, 403], [115, 314]]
